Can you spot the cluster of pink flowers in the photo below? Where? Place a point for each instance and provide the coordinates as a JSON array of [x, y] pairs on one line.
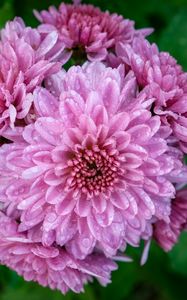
[[91, 158]]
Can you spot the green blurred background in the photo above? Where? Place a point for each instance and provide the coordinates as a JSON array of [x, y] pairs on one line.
[[164, 277]]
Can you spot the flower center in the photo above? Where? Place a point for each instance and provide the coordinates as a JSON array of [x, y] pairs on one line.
[[93, 171]]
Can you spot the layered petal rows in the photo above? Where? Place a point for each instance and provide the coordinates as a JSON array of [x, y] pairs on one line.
[[162, 78], [49, 266], [92, 157], [87, 31], [25, 61], [97, 167]]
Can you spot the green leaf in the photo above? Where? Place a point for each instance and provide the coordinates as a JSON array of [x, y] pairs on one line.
[[178, 256], [6, 12], [31, 291], [123, 281], [174, 38], [88, 294]]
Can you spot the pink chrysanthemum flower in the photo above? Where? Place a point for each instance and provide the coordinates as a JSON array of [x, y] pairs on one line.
[[85, 29], [94, 169], [25, 60], [161, 77], [167, 233], [49, 266]]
